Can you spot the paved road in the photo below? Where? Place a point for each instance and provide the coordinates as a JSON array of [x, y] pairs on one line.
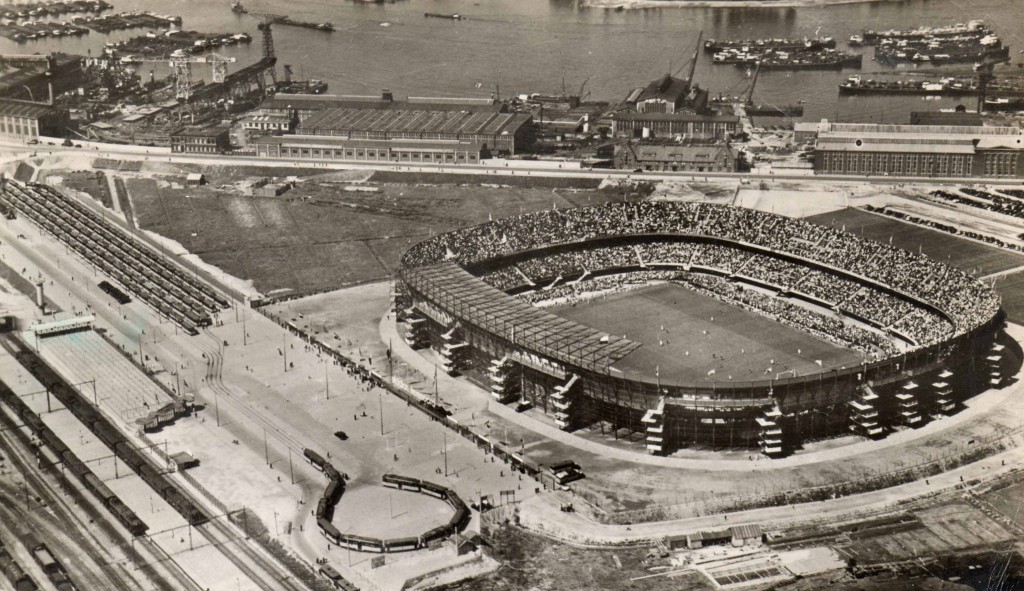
[[497, 167]]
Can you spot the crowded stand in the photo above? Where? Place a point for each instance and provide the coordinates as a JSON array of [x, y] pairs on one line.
[[666, 253], [827, 327], [923, 327], [575, 263], [571, 293], [967, 302], [877, 306], [505, 278]]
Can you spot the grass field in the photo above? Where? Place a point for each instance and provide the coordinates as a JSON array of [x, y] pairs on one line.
[[969, 255], [738, 343], [319, 237], [973, 257]]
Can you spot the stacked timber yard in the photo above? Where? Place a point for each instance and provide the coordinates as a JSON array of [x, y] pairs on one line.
[[259, 335]]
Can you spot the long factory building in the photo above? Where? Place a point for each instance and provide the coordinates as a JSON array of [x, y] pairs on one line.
[[438, 130], [918, 150]]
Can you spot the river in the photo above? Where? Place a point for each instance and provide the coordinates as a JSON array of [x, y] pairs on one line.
[[522, 46]]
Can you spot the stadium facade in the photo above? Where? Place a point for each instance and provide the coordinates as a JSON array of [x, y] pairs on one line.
[[455, 295]]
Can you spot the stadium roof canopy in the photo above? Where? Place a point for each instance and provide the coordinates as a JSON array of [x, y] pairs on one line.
[[478, 303]]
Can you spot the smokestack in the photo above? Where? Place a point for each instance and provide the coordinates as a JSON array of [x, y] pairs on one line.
[[40, 301]]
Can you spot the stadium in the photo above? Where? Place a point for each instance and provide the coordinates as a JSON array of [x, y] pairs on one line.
[[695, 325]]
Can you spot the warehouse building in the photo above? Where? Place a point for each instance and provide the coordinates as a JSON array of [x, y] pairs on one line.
[[669, 95], [676, 157], [500, 133], [24, 120], [325, 148], [668, 125], [302, 106], [919, 150], [201, 140]]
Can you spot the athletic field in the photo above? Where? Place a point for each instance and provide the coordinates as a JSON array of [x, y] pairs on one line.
[[685, 335]]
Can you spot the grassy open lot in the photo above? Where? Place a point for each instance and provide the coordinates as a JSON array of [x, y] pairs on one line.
[[737, 343], [974, 257], [92, 183], [318, 236]]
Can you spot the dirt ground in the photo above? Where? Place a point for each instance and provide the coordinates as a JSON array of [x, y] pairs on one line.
[[532, 562]]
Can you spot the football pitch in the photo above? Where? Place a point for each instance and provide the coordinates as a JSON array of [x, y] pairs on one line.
[[686, 335]]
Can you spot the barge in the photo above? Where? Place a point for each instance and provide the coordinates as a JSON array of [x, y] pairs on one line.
[[942, 87], [758, 45], [770, 59], [871, 37]]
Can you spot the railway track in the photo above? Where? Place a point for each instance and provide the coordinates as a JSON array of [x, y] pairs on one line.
[[213, 352], [93, 538]]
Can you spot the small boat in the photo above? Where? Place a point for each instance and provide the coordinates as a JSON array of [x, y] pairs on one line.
[[454, 17]]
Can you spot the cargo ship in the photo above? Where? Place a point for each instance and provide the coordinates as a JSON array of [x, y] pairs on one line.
[[956, 49], [757, 45], [311, 86], [771, 59], [1004, 104], [944, 55], [775, 110], [871, 37], [942, 87]]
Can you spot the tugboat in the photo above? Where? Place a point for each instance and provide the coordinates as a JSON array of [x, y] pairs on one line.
[[237, 8]]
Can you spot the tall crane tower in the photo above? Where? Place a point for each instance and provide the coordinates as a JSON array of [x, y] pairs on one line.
[[985, 75], [181, 63]]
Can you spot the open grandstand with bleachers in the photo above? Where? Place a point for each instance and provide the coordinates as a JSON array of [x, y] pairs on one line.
[[885, 339]]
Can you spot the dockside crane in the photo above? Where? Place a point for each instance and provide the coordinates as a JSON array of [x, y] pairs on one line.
[[985, 70], [692, 62], [181, 63]]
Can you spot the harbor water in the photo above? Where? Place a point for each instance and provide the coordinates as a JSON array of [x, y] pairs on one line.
[[525, 46]]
